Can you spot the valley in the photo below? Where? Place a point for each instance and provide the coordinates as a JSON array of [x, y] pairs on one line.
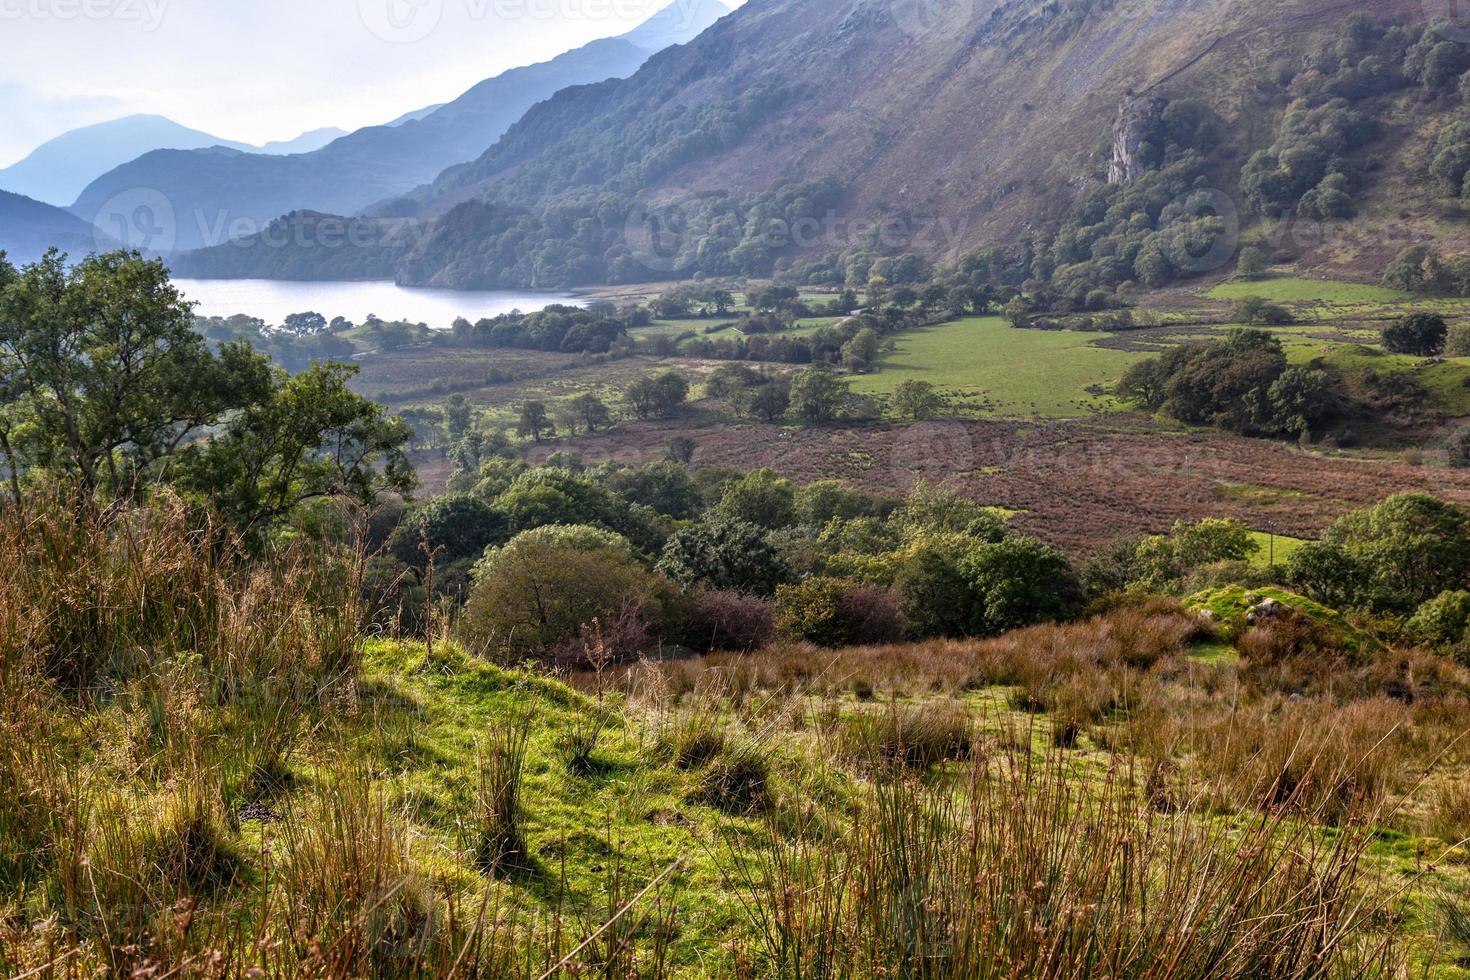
[[795, 489]]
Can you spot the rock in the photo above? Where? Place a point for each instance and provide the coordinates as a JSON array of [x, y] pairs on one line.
[[1138, 120]]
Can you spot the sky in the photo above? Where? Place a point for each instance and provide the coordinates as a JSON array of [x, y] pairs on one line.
[[261, 70]]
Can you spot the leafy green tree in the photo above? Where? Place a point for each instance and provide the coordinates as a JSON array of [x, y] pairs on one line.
[[1019, 582], [818, 394], [457, 417], [1259, 310], [1213, 540], [1302, 399], [553, 592], [729, 556], [656, 395], [305, 324], [1418, 334], [761, 498], [1442, 621], [588, 412], [768, 402], [1412, 545], [311, 437], [937, 600], [828, 500], [859, 353], [103, 375], [535, 422], [454, 527], [1251, 264], [917, 400], [1329, 574], [666, 487]]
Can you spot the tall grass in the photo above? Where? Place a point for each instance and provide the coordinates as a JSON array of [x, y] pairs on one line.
[[1022, 870]]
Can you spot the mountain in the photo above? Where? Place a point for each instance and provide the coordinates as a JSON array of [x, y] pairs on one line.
[[28, 228], [57, 171], [1083, 145], [210, 190]]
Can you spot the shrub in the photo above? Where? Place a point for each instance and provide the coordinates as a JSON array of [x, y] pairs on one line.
[[1418, 334], [731, 556], [553, 592], [760, 498], [737, 781], [1442, 620], [915, 737], [1457, 448], [835, 612], [721, 620], [500, 845], [1020, 582]]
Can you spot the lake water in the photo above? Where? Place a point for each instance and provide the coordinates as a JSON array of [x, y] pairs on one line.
[[273, 301]]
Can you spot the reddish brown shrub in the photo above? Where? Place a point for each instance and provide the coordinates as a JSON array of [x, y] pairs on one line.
[[730, 621]]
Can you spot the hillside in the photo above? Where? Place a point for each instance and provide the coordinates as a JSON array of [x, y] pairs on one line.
[[378, 162], [28, 228], [792, 138], [58, 170]]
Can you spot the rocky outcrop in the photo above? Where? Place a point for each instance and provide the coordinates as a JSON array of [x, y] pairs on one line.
[[1138, 120]]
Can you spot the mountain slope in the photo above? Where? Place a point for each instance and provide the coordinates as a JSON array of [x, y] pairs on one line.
[[28, 228], [1088, 139], [964, 132], [58, 170], [209, 190]]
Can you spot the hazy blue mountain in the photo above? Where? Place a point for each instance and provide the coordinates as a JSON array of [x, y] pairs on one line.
[[57, 171], [212, 192], [29, 227]]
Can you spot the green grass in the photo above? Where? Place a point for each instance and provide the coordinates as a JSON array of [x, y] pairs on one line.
[[1327, 292], [1284, 548], [992, 368]]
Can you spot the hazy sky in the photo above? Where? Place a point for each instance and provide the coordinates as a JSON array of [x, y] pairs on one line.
[[258, 70]]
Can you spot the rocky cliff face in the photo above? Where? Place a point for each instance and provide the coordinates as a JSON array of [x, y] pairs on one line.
[[1138, 120]]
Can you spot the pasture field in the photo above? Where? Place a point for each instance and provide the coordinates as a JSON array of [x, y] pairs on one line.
[[1321, 292], [987, 367]]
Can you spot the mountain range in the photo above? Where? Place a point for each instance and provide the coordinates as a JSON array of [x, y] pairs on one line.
[[29, 227], [214, 190], [57, 171], [894, 127]]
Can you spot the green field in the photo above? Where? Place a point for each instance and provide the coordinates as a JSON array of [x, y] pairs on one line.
[[1328, 292], [998, 370], [1285, 547]]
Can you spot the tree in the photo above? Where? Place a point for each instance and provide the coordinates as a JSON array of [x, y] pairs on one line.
[[916, 400], [551, 591], [1259, 310], [768, 402], [729, 556], [311, 437], [457, 416], [589, 412], [859, 353], [1019, 582], [1418, 334], [657, 395], [1457, 448], [681, 450], [1212, 540], [761, 498], [1303, 398], [305, 324], [1251, 264], [1412, 545], [535, 422], [818, 394], [455, 527], [104, 377]]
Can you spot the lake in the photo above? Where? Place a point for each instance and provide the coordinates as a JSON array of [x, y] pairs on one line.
[[273, 300]]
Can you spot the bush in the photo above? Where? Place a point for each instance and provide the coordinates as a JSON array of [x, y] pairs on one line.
[[737, 781], [561, 594], [730, 621], [761, 498], [1020, 582], [1418, 334], [731, 556], [1457, 448], [833, 612], [1442, 620]]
